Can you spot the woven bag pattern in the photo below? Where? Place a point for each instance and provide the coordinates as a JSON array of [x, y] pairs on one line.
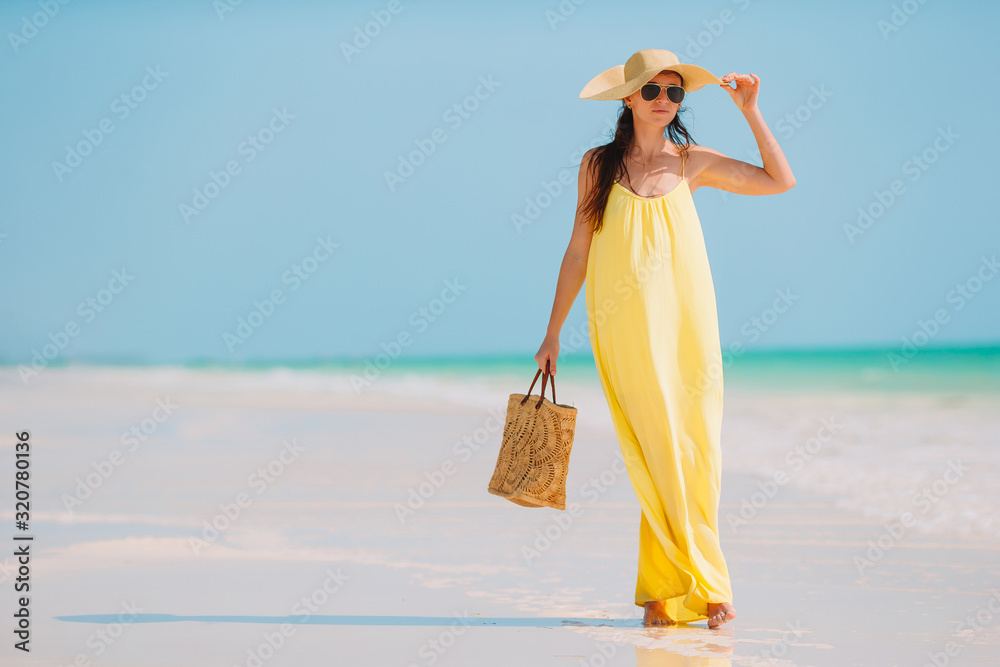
[[534, 455]]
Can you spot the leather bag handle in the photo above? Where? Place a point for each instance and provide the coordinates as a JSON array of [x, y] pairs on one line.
[[542, 396]]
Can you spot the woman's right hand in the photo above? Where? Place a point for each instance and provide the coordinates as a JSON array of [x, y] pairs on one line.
[[548, 351]]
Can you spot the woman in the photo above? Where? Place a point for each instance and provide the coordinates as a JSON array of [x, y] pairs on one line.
[[652, 317]]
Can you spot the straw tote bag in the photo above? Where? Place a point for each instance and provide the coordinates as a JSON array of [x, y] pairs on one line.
[[534, 455]]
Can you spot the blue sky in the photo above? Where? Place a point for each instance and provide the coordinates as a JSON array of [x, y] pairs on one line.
[[236, 163]]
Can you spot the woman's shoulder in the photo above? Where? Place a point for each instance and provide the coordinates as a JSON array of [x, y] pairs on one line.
[[695, 149], [699, 156], [696, 160]]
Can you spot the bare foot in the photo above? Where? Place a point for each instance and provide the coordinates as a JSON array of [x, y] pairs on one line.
[[719, 613], [656, 614]]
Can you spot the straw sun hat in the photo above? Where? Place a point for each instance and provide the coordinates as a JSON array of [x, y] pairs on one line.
[[622, 80]]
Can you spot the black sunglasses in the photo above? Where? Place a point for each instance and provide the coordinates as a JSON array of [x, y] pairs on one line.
[[651, 91]]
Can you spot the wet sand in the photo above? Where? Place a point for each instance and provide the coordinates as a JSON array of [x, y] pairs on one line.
[[294, 523]]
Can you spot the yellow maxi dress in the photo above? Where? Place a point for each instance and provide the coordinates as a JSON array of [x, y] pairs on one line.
[[654, 332]]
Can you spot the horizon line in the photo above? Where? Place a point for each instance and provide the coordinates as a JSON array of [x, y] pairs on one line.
[[974, 349]]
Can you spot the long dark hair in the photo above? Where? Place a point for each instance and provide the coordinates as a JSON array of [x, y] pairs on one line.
[[607, 163]]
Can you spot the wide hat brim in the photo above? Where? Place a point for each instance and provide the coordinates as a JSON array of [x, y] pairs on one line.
[[620, 81]]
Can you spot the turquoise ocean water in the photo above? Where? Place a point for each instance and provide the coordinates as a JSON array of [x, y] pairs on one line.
[[967, 369]]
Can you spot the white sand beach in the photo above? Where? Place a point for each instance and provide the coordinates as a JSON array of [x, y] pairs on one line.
[[206, 517]]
